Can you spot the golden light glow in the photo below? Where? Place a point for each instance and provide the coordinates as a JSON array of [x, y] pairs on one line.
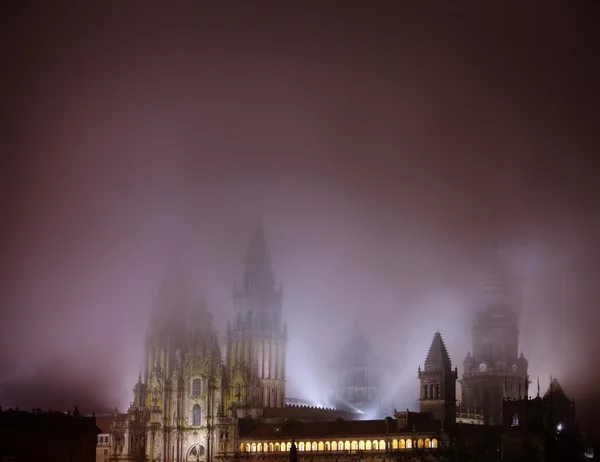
[[348, 445]]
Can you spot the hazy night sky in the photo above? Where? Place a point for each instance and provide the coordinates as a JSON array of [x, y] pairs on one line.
[[385, 151]]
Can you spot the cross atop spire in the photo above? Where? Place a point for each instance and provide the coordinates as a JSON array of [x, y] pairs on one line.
[[258, 275], [437, 357]]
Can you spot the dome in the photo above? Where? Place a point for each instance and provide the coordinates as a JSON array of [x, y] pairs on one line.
[[469, 359], [522, 360], [358, 351]]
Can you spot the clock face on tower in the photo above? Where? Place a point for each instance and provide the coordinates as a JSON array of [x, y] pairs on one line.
[[514, 368], [482, 367]]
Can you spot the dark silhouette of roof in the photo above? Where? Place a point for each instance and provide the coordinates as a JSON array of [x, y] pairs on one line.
[[421, 422], [555, 390], [438, 357]]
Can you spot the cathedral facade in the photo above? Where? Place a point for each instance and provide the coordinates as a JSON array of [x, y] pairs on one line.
[[187, 404]]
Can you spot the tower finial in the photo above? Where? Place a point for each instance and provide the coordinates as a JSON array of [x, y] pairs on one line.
[[258, 275]]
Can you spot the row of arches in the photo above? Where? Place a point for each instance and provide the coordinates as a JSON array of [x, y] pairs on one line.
[[431, 391], [356, 445]]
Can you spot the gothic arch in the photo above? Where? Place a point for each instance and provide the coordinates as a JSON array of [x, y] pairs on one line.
[[195, 452]]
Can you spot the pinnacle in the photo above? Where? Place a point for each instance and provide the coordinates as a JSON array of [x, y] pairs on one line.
[[554, 389], [438, 356]]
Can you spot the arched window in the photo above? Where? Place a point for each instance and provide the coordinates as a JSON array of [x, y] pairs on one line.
[[327, 446], [277, 446], [409, 444], [420, 443], [321, 446], [375, 445], [195, 452], [347, 445], [368, 446], [247, 447], [196, 415], [289, 446], [196, 387], [434, 443], [361, 445], [394, 444], [259, 447], [340, 445], [301, 446], [354, 445], [381, 445], [253, 447], [427, 443], [515, 420], [314, 446], [401, 444], [271, 447], [242, 447]]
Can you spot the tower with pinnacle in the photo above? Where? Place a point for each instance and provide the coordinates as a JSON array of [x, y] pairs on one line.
[[438, 383], [495, 370], [257, 338]]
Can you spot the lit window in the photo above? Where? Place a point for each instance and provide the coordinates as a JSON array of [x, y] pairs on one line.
[[515, 420], [196, 415]]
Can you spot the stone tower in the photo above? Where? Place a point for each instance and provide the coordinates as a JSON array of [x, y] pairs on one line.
[[357, 381], [438, 383], [257, 339], [172, 415], [495, 370]]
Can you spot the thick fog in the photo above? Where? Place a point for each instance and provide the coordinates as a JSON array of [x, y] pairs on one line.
[[385, 151]]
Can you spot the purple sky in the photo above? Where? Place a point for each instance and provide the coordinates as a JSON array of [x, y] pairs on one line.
[[385, 150]]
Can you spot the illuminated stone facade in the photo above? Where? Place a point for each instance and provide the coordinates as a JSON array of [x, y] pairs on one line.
[[187, 404], [495, 371]]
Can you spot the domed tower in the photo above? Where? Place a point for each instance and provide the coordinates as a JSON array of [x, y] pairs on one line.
[[495, 370], [438, 382], [357, 370]]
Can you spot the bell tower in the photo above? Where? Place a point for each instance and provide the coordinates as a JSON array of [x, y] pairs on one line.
[[495, 370], [438, 383], [256, 338]]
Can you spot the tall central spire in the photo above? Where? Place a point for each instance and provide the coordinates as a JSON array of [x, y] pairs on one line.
[[258, 275], [494, 280]]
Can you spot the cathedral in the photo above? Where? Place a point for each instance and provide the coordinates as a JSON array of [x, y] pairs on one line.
[[186, 403], [195, 402]]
